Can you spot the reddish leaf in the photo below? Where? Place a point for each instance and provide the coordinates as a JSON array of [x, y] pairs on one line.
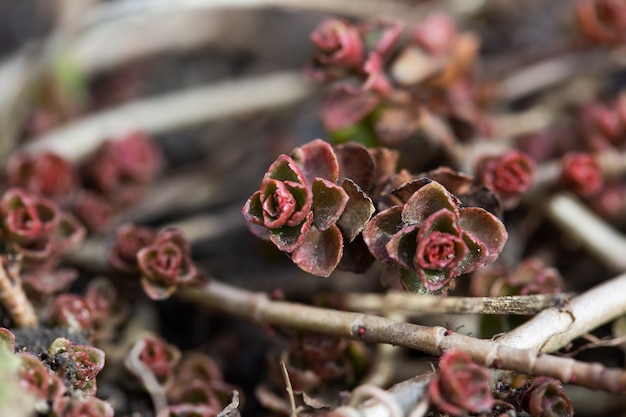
[[358, 211], [320, 252], [318, 160], [329, 202]]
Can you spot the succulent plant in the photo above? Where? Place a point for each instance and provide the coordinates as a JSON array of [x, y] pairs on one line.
[[46, 174], [339, 46], [581, 173], [460, 386], [153, 357], [531, 276], [166, 264], [71, 311], [509, 175], [131, 159], [546, 398], [431, 239], [78, 364], [35, 377], [129, 240], [35, 227], [302, 209]]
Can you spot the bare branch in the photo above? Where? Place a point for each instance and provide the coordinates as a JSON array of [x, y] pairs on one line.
[[409, 303], [554, 328], [599, 238], [259, 308]]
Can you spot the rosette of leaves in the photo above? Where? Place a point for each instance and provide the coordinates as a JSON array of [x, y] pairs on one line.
[[35, 227], [432, 239], [77, 364], [547, 398], [71, 311], [508, 175], [152, 359], [45, 173], [129, 240], [166, 264], [304, 212], [460, 386]]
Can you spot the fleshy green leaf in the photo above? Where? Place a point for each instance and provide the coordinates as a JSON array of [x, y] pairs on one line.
[[485, 227], [288, 238], [329, 202], [435, 282], [402, 246], [253, 209], [441, 221], [412, 282], [358, 211], [475, 256], [320, 252], [284, 169]]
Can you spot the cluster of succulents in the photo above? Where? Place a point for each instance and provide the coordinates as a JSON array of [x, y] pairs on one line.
[[416, 177], [427, 233]]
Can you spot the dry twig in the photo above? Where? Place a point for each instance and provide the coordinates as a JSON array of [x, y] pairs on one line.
[[259, 308], [409, 303]]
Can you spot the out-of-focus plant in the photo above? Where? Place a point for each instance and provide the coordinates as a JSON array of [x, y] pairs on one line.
[[166, 264], [152, 357], [460, 386], [78, 364]]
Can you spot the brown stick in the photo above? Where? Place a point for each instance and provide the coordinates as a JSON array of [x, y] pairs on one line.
[[259, 308], [409, 303]]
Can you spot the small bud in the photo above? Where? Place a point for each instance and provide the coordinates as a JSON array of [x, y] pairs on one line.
[[581, 173]]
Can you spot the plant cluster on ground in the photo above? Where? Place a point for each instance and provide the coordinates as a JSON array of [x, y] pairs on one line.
[[424, 216]]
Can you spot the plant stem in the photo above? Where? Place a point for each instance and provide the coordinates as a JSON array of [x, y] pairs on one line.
[[598, 237], [555, 327], [12, 294], [257, 307]]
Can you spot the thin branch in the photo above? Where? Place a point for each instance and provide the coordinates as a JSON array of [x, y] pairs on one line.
[[289, 388], [556, 327], [409, 303], [173, 111], [257, 307], [598, 237], [382, 371]]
